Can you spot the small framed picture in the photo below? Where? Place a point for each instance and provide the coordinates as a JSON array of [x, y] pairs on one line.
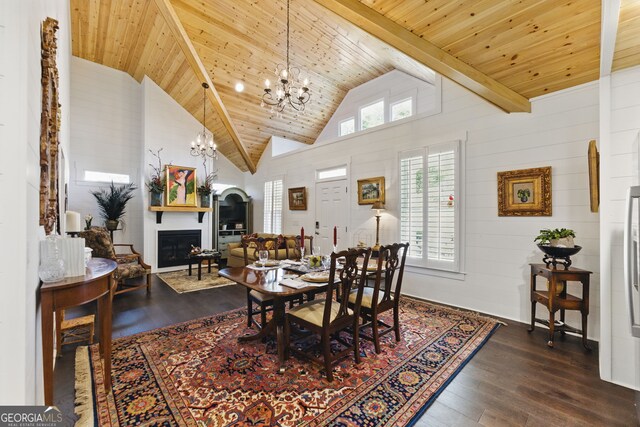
[[298, 199], [371, 190], [181, 186], [525, 192]]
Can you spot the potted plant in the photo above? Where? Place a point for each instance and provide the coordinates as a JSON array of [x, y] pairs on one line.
[[205, 187], [112, 203], [156, 184], [557, 237], [524, 194]]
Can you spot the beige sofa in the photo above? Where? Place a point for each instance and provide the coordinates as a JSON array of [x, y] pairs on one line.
[[236, 253]]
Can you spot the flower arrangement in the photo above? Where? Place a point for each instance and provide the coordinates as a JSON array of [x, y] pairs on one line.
[[205, 187], [87, 220], [156, 184]]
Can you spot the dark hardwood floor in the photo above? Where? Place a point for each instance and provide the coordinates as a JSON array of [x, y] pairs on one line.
[[514, 380]]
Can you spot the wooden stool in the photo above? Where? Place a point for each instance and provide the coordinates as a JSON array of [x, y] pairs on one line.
[[73, 330], [556, 298]]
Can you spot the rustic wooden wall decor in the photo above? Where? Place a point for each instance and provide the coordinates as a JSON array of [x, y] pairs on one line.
[[49, 128], [525, 192], [594, 175]]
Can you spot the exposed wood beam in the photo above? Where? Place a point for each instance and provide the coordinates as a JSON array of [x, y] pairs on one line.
[[178, 31], [609, 31], [428, 54]]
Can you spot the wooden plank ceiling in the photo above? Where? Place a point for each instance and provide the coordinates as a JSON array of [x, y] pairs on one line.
[[531, 47]]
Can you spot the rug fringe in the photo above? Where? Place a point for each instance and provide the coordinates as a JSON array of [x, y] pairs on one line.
[[84, 392]]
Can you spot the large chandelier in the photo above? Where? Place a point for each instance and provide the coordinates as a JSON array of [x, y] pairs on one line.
[[203, 145], [287, 89]]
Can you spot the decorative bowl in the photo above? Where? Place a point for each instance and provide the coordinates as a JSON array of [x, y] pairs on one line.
[[559, 251]]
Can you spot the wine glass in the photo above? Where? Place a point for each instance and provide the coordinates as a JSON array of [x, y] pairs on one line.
[[326, 262], [316, 250], [263, 256]]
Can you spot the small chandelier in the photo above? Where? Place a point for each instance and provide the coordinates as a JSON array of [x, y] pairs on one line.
[[288, 89], [203, 145]]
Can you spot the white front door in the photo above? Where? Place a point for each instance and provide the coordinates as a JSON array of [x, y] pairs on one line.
[[331, 211]]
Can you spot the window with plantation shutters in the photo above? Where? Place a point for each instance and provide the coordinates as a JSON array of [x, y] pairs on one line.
[[411, 203], [273, 206], [429, 214]]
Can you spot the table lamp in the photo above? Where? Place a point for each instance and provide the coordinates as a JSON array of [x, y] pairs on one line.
[[377, 206]]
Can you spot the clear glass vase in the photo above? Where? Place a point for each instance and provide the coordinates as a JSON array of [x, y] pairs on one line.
[[51, 267]]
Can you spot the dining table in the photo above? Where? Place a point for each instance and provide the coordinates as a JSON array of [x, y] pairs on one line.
[[269, 281]]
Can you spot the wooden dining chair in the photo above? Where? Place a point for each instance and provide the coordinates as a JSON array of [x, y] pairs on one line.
[[73, 330], [308, 246], [383, 296], [327, 317], [251, 246]]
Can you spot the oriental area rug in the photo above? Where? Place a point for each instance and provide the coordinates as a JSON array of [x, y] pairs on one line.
[[181, 282], [197, 374]]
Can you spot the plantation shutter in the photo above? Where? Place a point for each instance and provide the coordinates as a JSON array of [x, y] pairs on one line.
[[412, 203], [273, 206], [429, 212], [268, 206], [441, 202], [277, 207]]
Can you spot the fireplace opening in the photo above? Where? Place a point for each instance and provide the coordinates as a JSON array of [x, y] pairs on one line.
[[175, 245]]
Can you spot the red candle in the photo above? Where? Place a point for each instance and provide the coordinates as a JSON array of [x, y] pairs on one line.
[[335, 236], [302, 237]]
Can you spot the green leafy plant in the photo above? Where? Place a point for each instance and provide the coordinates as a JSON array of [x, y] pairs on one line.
[[546, 235], [112, 201], [524, 194]]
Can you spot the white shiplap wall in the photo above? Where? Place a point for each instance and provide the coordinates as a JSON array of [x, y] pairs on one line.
[[106, 136], [20, 105], [115, 122], [497, 250], [169, 126], [620, 353]]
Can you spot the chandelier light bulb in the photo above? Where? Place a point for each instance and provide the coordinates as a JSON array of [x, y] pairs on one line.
[[306, 82], [267, 83], [284, 74]]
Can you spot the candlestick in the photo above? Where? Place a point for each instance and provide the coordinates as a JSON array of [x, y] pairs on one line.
[[335, 236]]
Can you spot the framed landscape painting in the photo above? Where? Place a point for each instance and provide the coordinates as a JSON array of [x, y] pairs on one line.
[[525, 192], [371, 190], [298, 199], [181, 186]]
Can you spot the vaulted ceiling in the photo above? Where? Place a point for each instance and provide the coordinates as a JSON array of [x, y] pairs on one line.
[[506, 51]]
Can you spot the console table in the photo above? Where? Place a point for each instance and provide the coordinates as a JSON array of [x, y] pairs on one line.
[[96, 284], [556, 298]]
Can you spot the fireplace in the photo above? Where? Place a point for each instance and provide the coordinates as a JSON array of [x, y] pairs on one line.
[[175, 245]]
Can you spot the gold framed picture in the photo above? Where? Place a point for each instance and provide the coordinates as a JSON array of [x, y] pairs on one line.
[[525, 192], [371, 190], [298, 199], [181, 186], [594, 176]]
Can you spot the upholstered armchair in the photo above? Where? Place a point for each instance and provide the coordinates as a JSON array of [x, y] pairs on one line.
[[130, 265]]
